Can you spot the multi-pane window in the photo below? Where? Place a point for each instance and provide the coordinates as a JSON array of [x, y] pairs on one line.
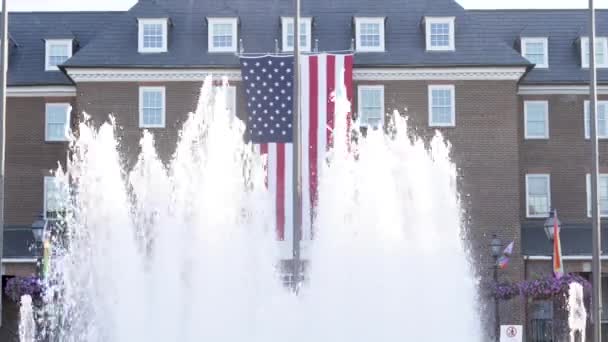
[[536, 118], [57, 121], [57, 52], [304, 33], [442, 111], [370, 34], [536, 50], [152, 35], [55, 197], [602, 120], [601, 52], [371, 106], [222, 34], [602, 191], [439, 33], [538, 195], [151, 107]]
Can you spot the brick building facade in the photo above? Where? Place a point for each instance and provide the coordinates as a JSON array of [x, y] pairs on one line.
[[500, 69]]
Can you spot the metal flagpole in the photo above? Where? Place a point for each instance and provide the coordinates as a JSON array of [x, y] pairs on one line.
[[596, 265], [297, 152], [3, 68]]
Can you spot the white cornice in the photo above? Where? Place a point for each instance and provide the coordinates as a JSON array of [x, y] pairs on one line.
[[19, 260], [558, 90], [565, 257], [41, 91], [149, 75], [360, 74], [448, 74]]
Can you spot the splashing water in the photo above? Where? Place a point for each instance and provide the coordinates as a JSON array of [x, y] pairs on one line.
[[185, 251], [577, 314], [27, 324]]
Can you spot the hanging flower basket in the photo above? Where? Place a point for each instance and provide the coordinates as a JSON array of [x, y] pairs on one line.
[[545, 288], [20, 286]]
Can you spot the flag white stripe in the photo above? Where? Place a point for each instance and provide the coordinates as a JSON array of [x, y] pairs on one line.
[[272, 177], [305, 120], [288, 200], [339, 77]]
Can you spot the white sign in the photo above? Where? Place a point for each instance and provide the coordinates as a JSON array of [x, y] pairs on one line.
[[511, 333]]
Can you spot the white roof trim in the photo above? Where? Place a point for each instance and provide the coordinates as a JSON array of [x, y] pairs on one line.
[[558, 90], [41, 91], [19, 260], [444, 74], [360, 74], [565, 257], [155, 75]]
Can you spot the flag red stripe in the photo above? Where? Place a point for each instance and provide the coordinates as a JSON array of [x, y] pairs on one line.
[[313, 122], [331, 87], [280, 196]]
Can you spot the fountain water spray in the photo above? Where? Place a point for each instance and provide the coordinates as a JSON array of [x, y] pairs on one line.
[[577, 314], [27, 324], [184, 251]]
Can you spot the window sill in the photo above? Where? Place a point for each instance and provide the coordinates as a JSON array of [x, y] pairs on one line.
[[536, 138], [537, 216]]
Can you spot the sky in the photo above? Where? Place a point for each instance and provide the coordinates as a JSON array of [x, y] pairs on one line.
[[94, 5]]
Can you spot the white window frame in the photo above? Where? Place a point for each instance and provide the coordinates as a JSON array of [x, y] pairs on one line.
[[64, 106], [141, 107], [47, 45], [440, 20], [285, 22], [548, 178], [452, 89], [587, 127], [585, 46], [360, 90], [546, 106], [48, 179], [588, 192], [140, 45], [370, 20], [544, 41], [211, 23]]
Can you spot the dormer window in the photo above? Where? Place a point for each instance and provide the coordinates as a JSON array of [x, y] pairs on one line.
[[439, 33], [223, 34], [57, 52], [369, 34], [305, 33], [536, 50], [601, 52], [152, 35]]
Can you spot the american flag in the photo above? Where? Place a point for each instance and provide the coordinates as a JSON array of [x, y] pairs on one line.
[[268, 83]]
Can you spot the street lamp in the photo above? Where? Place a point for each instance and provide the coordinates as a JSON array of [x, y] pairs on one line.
[[38, 230], [496, 249], [550, 224]]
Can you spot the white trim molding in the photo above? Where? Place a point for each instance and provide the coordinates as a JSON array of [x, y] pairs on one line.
[[442, 74], [150, 75], [558, 90], [565, 257], [19, 260], [41, 91], [360, 74]]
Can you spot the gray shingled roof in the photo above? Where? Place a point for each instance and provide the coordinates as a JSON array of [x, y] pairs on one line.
[[259, 22], [575, 239], [28, 30], [563, 28]]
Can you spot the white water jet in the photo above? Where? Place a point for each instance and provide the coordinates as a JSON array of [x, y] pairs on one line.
[[185, 251], [27, 323], [577, 314]]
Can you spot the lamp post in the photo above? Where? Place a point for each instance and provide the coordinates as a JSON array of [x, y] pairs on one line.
[[496, 249], [550, 224], [38, 230]]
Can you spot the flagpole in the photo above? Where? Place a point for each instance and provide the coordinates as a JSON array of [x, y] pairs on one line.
[[3, 81], [596, 226], [297, 141]]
